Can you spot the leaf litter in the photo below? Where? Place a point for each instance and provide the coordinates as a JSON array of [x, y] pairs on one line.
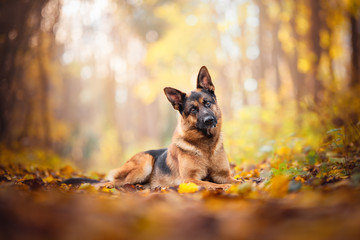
[[314, 197]]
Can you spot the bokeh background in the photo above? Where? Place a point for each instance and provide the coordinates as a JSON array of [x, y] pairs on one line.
[[81, 81]]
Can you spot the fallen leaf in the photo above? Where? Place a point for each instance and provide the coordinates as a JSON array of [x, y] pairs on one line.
[[188, 188]]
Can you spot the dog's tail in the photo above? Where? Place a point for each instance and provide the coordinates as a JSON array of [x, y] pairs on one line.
[[79, 181]]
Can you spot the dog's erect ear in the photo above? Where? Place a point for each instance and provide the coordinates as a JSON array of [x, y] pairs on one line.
[[204, 80], [176, 97]]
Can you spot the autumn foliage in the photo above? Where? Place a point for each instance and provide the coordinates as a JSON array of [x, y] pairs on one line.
[[81, 90], [287, 197]]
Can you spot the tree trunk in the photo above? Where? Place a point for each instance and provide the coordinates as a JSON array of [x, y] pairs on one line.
[[316, 49], [275, 57], [44, 92], [261, 67], [15, 30], [355, 44], [296, 76], [13, 15]]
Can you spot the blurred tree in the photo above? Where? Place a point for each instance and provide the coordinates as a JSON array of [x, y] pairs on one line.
[[355, 42], [19, 22], [315, 29], [260, 74], [275, 55], [290, 50], [26, 38]]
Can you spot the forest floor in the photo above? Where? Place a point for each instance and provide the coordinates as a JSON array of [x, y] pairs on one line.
[[313, 196]]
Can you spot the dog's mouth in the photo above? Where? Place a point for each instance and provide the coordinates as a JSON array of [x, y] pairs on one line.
[[209, 130]]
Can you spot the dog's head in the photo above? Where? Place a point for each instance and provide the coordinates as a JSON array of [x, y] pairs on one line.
[[199, 109]]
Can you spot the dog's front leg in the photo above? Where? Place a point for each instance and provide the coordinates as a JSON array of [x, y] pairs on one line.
[[193, 169], [206, 184], [194, 176], [224, 177]]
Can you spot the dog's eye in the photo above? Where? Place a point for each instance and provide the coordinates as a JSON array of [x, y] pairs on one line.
[[207, 104], [193, 110]]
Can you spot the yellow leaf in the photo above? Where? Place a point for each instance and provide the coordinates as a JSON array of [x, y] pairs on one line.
[[237, 176], [278, 186], [188, 188], [67, 170], [27, 177], [238, 169], [49, 179], [107, 190], [300, 179], [283, 151], [243, 188], [64, 187], [87, 187]]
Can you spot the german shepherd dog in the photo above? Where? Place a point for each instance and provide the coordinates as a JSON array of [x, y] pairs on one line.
[[196, 153]]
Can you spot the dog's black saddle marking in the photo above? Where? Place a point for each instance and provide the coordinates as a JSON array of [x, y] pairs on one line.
[[160, 156]]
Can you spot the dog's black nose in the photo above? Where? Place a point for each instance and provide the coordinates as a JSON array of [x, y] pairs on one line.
[[209, 120]]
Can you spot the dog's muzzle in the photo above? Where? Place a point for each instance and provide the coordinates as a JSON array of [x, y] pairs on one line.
[[209, 121]]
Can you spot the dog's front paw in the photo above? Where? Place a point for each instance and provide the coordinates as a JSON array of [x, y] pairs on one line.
[[234, 181], [109, 185], [220, 187]]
